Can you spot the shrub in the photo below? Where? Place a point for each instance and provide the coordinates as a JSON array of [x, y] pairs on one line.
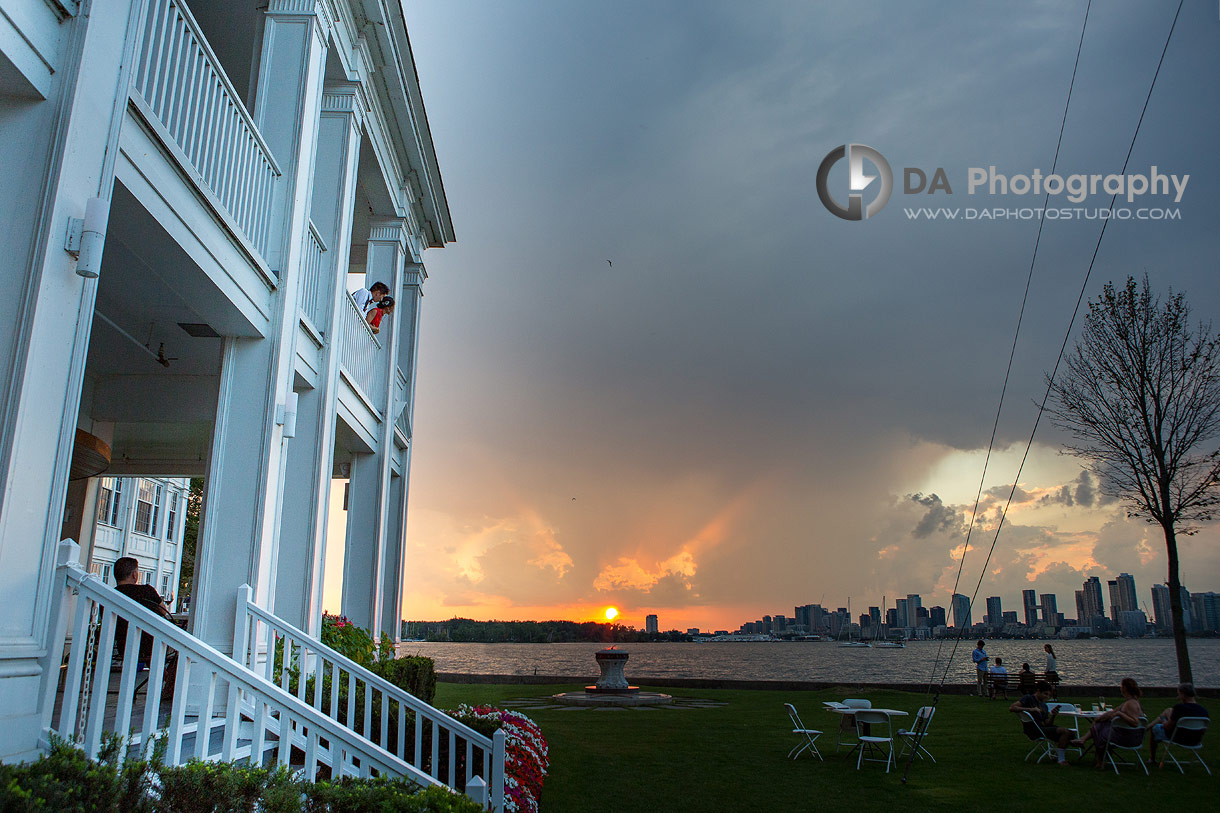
[[66, 780], [414, 674]]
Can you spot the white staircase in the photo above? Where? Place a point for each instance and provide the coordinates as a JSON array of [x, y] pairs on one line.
[[222, 709]]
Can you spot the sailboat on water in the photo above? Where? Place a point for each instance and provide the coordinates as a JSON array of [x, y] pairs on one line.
[[849, 643], [888, 643]]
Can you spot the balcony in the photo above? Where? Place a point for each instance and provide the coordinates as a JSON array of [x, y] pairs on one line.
[[181, 91]]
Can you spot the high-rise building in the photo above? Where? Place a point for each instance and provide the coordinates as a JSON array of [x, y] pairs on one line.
[[1161, 610], [1029, 602], [891, 618], [1010, 617], [1082, 617], [1133, 623], [874, 614], [1093, 604], [995, 612], [936, 616], [1122, 595], [901, 612], [650, 625], [1050, 610], [914, 604], [961, 610], [1205, 611]]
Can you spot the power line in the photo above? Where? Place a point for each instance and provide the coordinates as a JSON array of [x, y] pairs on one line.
[[1058, 360]]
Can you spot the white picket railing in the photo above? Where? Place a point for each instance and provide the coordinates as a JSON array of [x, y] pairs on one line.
[[313, 279], [401, 422], [181, 83], [374, 708], [360, 354], [233, 714]]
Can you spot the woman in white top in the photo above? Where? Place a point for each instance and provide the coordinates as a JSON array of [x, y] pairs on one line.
[[1052, 670]]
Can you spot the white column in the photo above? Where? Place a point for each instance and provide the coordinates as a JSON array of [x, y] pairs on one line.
[[239, 529], [57, 153], [311, 454], [363, 592]]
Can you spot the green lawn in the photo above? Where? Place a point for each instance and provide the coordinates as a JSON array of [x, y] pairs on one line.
[[733, 758]]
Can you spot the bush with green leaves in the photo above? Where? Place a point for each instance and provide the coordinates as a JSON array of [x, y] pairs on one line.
[[66, 780]]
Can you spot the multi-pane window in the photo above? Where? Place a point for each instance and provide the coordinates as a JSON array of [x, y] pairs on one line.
[[108, 501], [173, 516], [146, 576], [101, 570], [148, 507], [164, 585]]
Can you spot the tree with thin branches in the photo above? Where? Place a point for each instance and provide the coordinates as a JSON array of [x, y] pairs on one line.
[[1141, 399]]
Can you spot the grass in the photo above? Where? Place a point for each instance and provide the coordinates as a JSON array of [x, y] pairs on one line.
[[733, 758]]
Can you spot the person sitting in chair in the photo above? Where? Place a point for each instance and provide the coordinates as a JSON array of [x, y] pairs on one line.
[[1043, 722], [127, 582], [1163, 725]]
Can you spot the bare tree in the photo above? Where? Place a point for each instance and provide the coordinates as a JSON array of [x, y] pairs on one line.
[[1141, 398]]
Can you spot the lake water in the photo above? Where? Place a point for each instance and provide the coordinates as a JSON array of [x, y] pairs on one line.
[[1150, 661]]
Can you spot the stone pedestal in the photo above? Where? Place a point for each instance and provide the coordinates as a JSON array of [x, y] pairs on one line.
[[612, 680]]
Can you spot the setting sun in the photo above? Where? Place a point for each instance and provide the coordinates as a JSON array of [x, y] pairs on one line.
[[611, 613]]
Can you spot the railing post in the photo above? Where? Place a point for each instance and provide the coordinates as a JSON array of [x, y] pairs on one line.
[[498, 755], [66, 555], [241, 625], [476, 789]]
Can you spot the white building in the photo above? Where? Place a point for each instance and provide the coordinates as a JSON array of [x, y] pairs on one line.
[[187, 185], [140, 517]]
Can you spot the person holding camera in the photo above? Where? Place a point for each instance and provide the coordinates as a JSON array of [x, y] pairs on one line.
[[374, 302]]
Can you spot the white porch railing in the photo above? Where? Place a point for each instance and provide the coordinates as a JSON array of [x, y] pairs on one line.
[[320, 676], [401, 422], [360, 354], [313, 279], [181, 83], [233, 713]]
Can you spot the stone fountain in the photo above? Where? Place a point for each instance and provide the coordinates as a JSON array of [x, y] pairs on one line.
[[612, 688]]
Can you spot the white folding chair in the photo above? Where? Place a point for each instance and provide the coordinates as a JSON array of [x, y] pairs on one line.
[[912, 739], [1043, 746], [879, 737], [848, 723], [807, 735], [1119, 725], [1188, 735]]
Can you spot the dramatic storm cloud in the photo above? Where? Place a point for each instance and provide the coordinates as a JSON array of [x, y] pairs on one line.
[[656, 372]]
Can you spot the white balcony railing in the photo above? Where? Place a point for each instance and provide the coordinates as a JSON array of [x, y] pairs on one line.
[[360, 356], [402, 423], [182, 86], [234, 714], [314, 279], [368, 705]]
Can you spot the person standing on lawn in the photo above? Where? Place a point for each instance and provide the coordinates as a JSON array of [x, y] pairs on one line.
[[981, 662]]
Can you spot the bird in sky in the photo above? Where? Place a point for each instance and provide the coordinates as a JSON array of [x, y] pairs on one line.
[[611, 264]]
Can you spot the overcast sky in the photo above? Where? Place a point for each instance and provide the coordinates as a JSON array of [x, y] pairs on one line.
[[758, 404]]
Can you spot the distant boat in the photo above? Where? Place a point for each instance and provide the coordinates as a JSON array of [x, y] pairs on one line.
[[890, 645], [850, 643]]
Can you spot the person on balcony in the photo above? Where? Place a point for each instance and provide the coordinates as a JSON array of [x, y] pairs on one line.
[[367, 299], [386, 305]]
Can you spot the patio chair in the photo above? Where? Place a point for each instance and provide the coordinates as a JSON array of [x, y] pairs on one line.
[[1187, 734], [1119, 725], [848, 722], [1043, 745], [912, 739], [875, 735], [807, 735]]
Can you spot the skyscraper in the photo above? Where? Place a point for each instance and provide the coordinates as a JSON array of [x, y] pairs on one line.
[[1093, 604], [936, 616], [1029, 601], [1122, 596], [961, 610], [995, 611], [1050, 610], [650, 624], [901, 612], [914, 603]]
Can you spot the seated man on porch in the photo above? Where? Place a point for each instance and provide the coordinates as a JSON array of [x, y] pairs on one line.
[[127, 582]]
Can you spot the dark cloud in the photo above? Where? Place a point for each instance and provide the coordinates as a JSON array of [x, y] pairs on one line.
[[1001, 493], [939, 517]]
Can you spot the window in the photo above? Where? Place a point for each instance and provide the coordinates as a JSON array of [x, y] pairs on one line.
[[148, 507], [173, 516], [146, 576], [164, 585], [101, 570], [108, 499]]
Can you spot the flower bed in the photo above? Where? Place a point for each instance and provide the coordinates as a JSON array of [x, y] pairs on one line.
[[526, 753]]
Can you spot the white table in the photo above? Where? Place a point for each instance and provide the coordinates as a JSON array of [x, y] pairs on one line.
[[850, 711]]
